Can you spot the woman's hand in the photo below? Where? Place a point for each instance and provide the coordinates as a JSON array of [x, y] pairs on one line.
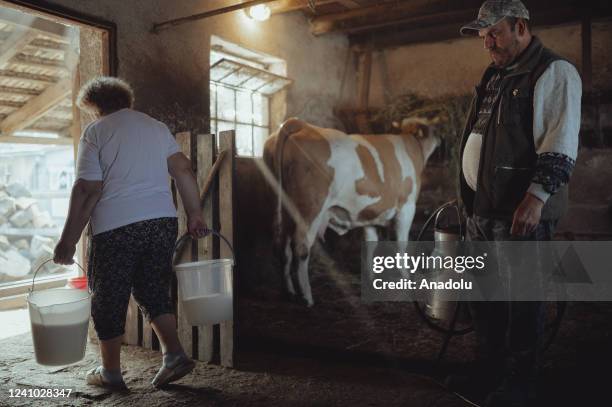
[[63, 253], [196, 226]]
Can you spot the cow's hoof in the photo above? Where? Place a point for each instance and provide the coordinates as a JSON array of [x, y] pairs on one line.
[[289, 296], [307, 302]]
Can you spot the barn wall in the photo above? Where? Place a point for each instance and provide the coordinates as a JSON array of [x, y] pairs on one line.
[[169, 71], [454, 67]]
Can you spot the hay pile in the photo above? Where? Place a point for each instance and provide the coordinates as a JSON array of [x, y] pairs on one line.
[[451, 110]]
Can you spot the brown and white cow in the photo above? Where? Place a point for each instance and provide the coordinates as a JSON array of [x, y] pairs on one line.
[[328, 179]]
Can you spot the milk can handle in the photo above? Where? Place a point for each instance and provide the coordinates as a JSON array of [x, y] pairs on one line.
[[181, 241], [42, 264], [447, 205]]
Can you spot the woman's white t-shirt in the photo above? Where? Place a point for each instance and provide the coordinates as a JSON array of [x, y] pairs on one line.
[[128, 151]]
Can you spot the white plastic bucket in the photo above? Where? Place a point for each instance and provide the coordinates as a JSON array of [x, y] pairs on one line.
[[59, 319], [205, 291]]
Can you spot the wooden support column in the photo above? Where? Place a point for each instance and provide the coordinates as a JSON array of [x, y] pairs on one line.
[[205, 147], [185, 330], [364, 73], [587, 64], [587, 75], [226, 220]]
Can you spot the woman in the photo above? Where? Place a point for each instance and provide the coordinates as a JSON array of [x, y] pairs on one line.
[[122, 189]]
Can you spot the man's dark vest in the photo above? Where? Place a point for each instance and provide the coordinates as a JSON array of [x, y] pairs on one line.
[[508, 155]]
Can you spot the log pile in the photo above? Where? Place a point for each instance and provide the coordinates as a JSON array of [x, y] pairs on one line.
[[21, 253]]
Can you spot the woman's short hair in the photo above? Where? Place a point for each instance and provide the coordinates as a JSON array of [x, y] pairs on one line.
[[105, 94]]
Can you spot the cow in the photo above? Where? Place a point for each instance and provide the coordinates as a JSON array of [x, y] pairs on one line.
[[328, 179]]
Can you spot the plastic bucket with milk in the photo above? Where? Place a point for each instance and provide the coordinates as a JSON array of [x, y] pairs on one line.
[[205, 288], [59, 318]]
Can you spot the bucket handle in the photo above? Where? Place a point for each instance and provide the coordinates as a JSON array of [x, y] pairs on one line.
[[207, 232], [42, 264]]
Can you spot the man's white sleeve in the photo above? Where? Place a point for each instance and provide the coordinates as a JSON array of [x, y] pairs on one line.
[[556, 124]]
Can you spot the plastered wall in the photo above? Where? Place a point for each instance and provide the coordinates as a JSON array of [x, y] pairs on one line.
[[454, 67]]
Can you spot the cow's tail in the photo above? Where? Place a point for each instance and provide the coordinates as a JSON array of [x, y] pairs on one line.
[[289, 127]]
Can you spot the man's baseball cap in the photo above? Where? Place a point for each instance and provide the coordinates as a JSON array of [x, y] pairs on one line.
[[492, 12]]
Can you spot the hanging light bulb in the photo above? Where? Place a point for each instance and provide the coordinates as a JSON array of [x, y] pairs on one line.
[[260, 12]]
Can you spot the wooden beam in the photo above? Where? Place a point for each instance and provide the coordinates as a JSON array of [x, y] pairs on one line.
[[37, 62], [377, 15], [63, 141], [285, 6], [211, 13], [36, 107], [36, 24], [445, 26], [48, 44], [8, 103], [18, 39], [12, 90], [350, 4], [29, 77]]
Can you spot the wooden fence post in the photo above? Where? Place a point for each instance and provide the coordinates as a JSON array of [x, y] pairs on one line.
[[205, 147], [226, 220], [185, 331]]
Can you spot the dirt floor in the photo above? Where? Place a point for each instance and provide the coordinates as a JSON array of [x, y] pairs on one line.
[[340, 326], [259, 379]]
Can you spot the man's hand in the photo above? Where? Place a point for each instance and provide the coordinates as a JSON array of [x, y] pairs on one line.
[[527, 216], [196, 226], [64, 252]]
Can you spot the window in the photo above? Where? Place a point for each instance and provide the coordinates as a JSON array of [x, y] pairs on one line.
[[241, 84]]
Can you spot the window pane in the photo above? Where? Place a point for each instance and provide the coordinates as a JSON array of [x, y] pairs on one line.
[[222, 126], [213, 100], [260, 109], [244, 111], [259, 138], [244, 140], [225, 103]]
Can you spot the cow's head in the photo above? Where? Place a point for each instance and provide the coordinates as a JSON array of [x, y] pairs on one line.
[[424, 129]]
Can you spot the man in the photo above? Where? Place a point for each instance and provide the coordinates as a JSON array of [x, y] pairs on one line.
[[518, 150]]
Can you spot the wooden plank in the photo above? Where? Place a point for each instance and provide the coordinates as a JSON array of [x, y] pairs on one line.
[[185, 330], [60, 141], [19, 38], [205, 147], [36, 107], [226, 220]]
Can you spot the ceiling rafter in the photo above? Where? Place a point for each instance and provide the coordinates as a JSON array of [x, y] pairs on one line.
[[36, 107]]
